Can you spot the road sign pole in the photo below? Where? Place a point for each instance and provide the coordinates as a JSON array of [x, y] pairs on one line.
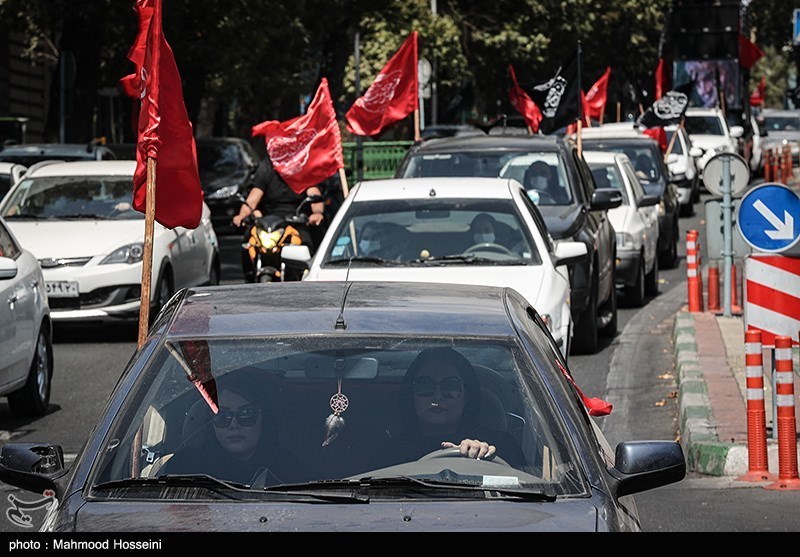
[[727, 236]]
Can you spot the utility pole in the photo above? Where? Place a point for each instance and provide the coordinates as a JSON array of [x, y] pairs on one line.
[[435, 65]]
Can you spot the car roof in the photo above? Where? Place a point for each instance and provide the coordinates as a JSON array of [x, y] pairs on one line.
[[703, 111], [442, 187], [612, 130], [85, 168], [52, 148], [310, 307], [780, 112], [490, 142]]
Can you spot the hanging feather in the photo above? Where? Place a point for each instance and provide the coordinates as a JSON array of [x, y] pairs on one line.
[[335, 423]]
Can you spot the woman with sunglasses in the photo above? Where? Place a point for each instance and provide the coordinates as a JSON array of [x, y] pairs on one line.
[[440, 401], [240, 446]]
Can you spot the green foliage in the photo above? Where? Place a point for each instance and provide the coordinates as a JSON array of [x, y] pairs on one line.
[[775, 66]]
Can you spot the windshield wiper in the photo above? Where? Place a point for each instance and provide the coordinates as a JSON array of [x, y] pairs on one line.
[[25, 216], [360, 259], [83, 216], [462, 258]]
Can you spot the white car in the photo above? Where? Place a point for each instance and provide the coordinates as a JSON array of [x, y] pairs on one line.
[[682, 161], [426, 234], [76, 218], [708, 129], [26, 346], [635, 222]]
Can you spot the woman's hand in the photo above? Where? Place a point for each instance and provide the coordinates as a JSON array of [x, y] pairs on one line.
[[472, 448], [315, 219]]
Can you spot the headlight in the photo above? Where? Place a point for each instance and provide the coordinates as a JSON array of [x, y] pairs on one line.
[[129, 254], [662, 209], [222, 193], [624, 240]]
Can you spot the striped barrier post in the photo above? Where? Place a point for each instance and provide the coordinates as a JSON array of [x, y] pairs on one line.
[[736, 309], [767, 165], [693, 275], [713, 287], [757, 456], [788, 477]]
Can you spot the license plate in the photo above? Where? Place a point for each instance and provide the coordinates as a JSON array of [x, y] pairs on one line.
[[62, 289]]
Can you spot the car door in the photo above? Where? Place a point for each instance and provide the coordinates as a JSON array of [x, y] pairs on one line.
[[18, 303], [648, 215]]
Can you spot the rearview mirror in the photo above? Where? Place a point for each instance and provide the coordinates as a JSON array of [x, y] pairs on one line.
[[569, 253], [696, 152], [330, 367], [673, 157]]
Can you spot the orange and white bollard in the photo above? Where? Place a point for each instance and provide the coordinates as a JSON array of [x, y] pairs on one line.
[[788, 477], [767, 165], [736, 309], [757, 456], [693, 274], [713, 287]]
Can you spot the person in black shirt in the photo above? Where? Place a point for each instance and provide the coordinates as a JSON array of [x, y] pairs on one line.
[[270, 194]]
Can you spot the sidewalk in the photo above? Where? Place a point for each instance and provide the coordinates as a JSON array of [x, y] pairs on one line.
[[710, 372]]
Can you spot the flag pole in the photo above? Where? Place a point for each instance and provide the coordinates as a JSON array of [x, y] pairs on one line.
[[672, 140], [343, 179], [619, 111], [147, 257], [580, 104], [416, 124]]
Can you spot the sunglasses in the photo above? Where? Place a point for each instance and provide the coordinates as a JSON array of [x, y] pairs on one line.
[[450, 387], [245, 416]]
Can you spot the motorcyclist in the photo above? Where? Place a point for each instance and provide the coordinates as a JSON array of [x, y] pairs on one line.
[[270, 194]]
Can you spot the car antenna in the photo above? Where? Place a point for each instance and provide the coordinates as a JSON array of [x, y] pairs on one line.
[[340, 324]]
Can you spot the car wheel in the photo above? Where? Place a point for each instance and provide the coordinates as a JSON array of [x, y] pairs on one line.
[[585, 340], [634, 294], [33, 398], [164, 290], [651, 280]]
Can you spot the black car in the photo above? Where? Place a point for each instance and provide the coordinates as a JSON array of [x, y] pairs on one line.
[[327, 383], [575, 211], [226, 166], [646, 156]]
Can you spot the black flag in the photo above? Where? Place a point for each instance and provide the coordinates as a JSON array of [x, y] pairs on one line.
[[666, 111], [559, 98]]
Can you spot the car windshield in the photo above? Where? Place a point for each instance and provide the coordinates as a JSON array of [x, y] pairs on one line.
[[703, 125], [782, 123], [493, 164], [216, 158], [643, 155], [608, 176], [72, 197], [5, 184], [432, 232], [677, 146], [327, 413]]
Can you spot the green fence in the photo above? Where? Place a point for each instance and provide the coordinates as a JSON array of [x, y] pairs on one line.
[[380, 158]]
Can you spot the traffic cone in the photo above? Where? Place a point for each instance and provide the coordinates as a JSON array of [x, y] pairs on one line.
[[788, 477], [757, 456], [694, 279]]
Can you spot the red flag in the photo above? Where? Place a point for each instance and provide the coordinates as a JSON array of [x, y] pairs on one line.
[[594, 102], [662, 80], [660, 135], [308, 149], [165, 133], [392, 96], [521, 101], [749, 53]]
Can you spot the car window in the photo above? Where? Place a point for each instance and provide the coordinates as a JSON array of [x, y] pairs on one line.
[[541, 225], [703, 125], [677, 143], [584, 176], [213, 157], [178, 407], [608, 176], [633, 180], [72, 197], [782, 123], [410, 231], [8, 247], [542, 174]]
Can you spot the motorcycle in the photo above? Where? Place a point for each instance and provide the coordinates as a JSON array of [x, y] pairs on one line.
[[263, 240]]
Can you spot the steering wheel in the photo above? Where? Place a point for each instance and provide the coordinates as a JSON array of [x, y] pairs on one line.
[[489, 246], [456, 452]]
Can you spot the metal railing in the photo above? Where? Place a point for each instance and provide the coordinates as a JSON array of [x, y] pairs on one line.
[[380, 158]]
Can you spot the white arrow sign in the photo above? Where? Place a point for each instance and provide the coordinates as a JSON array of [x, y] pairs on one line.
[[784, 229]]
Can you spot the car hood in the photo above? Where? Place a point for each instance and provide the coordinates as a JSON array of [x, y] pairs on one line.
[[212, 181], [620, 217], [706, 142], [566, 515], [82, 238], [778, 137], [560, 218], [528, 282]]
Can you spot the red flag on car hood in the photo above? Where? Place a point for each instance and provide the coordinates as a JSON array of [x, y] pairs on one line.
[[522, 102], [308, 149], [164, 132], [391, 97]]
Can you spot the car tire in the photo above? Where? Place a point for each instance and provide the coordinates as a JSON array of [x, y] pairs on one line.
[[585, 339], [33, 398], [634, 294], [164, 290], [651, 281]]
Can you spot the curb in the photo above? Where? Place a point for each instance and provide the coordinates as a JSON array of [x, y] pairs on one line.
[[705, 453]]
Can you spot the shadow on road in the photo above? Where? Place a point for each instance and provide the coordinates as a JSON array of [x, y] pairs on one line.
[[108, 332]]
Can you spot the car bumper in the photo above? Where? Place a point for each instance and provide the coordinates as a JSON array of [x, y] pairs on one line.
[[627, 265]]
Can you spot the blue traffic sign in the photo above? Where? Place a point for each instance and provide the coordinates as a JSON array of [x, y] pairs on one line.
[[768, 217], [796, 28]]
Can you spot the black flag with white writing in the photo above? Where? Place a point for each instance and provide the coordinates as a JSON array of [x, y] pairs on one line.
[[666, 111], [559, 98]]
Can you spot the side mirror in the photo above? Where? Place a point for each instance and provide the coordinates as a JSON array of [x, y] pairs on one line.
[[606, 198], [569, 253], [297, 254], [643, 465], [32, 466], [648, 201], [737, 132], [696, 152], [8, 268]]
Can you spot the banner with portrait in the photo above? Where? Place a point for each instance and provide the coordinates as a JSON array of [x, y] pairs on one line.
[[708, 83]]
